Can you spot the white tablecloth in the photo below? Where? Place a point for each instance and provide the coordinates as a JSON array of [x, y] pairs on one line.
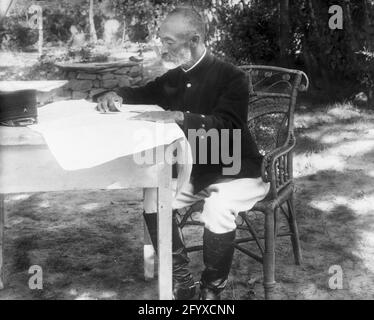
[[80, 137]]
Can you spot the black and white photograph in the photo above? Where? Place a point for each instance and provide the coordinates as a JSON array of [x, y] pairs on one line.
[[187, 150]]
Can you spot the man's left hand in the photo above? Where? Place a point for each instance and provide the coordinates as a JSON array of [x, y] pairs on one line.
[[161, 116]]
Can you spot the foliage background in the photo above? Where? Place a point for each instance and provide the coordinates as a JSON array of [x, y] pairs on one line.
[[241, 31]]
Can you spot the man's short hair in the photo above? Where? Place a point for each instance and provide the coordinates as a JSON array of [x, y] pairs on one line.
[[193, 18]]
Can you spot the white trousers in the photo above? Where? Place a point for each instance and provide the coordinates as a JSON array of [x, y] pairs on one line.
[[222, 201]]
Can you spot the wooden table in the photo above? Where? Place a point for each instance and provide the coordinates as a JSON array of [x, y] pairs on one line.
[[27, 165]]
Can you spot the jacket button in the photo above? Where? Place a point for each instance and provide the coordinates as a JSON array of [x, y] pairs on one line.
[[203, 125], [189, 85], [202, 116]]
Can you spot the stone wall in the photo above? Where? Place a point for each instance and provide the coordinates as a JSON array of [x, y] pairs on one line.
[[85, 83]]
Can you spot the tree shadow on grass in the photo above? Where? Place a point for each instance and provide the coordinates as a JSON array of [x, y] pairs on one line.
[[97, 254], [334, 172], [336, 227], [84, 254], [333, 214]]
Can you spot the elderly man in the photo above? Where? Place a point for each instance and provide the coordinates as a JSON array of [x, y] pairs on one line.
[[201, 92]]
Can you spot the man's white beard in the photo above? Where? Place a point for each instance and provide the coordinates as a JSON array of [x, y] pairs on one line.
[[169, 65], [176, 62]]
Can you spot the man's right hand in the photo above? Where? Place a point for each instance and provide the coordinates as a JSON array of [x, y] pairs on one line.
[[109, 102]]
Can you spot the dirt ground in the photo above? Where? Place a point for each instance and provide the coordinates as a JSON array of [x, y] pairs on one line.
[[89, 244]]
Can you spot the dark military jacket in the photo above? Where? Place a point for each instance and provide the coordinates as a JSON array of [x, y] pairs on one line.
[[213, 95]]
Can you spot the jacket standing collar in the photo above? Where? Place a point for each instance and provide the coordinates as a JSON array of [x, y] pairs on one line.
[[206, 61], [197, 62]]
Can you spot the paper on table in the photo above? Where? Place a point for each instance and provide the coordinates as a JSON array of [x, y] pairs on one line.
[[80, 137]]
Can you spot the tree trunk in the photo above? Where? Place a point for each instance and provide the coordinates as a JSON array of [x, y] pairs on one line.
[[284, 31], [5, 6], [93, 35], [368, 25], [349, 27], [314, 18], [314, 73], [366, 15], [316, 58]]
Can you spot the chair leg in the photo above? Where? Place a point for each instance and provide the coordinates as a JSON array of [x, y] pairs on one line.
[[295, 232], [269, 256]]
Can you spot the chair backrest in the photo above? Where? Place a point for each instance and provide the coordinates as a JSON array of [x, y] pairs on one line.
[[273, 93]]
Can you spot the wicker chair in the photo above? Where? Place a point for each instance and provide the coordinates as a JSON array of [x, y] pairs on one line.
[[273, 93]]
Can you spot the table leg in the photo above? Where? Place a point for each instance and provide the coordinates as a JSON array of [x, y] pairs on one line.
[[2, 221], [150, 206], [165, 284]]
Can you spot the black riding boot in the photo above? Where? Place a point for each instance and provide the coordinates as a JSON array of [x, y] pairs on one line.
[[218, 255], [183, 284]]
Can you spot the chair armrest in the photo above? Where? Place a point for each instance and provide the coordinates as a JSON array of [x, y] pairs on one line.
[[304, 87], [268, 164]]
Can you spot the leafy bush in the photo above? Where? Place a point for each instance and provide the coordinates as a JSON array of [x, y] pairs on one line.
[[245, 34], [15, 35], [249, 32], [143, 17], [331, 56], [241, 31], [89, 53], [57, 22]]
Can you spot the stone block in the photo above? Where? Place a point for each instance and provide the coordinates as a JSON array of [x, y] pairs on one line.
[[71, 75], [66, 93], [110, 83], [125, 70], [135, 71], [86, 76], [124, 82], [76, 95], [96, 91], [80, 85], [107, 76], [136, 80], [96, 83]]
